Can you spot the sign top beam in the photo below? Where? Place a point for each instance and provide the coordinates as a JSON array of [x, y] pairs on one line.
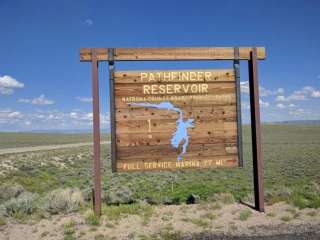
[[171, 54]]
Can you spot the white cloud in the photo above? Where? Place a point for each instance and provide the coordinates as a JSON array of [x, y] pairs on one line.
[[49, 120], [280, 105], [291, 105], [296, 97], [84, 99], [74, 115], [15, 115], [37, 101], [280, 91], [297, 112], [281, 98], [264, 104], [8, 116], [245, 105], [244, 86], [8, 83], [42, 100], [89, 116], [6, 91], [315, 94], [88, 22], [24, 100], [300, 95], [28, 123], [263, 92]]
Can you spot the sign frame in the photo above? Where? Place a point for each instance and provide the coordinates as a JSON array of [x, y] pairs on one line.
[[251, 54], [147, 103]]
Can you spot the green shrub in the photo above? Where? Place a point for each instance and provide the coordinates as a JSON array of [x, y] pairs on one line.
[[248, 198], [291, 210], [167, 200], [299, 201], [122, 195], [279, 194], [2, 210], [69, 230], [313, 187], [143, 210], [8, 191], [167, 216], [286, 218], [226, 198], [87, 194], [215, 206], [301, 196], [306, 196], [210, 216], [44, 234], [200, 222], [63, 200], [312, 213], [25, 204], [166, 234], [271, 214], [92, 219], [100, 237], [244, 215], [2, 221], [151, 200]]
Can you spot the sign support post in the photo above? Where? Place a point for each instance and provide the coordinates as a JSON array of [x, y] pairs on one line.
[[96, 136], [236, 66], [255, 132], [112, 109]]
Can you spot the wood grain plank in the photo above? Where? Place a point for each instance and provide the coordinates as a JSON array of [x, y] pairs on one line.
[[140, 90], [223, 99], [199, 113], [193, 150], [172, 164], [133, 77], [137, 139], [156, 126], [191, 53]]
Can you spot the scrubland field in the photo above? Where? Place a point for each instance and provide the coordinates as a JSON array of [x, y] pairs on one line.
[[13, 140], [55, 187]]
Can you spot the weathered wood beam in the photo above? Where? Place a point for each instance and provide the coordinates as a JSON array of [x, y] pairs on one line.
[[157, 54]]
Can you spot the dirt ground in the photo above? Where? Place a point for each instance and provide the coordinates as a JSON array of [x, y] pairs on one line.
[[43, 148], [198, 221]]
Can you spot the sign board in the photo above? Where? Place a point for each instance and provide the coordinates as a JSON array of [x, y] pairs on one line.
[[175, 119]]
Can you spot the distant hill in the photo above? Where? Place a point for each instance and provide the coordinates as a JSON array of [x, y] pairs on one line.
[[69, 131], [304, 122]]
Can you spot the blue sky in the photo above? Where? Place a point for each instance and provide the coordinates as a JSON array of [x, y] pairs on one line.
[[44, 86]]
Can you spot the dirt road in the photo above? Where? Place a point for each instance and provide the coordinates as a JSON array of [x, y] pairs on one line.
[[47, 147]]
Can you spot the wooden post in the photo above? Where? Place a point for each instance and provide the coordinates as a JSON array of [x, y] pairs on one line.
[[255, 132], [236, 67], [96, 135], [112, 110]]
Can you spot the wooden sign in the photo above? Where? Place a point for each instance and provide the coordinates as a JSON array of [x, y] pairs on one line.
[[175, 119]]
